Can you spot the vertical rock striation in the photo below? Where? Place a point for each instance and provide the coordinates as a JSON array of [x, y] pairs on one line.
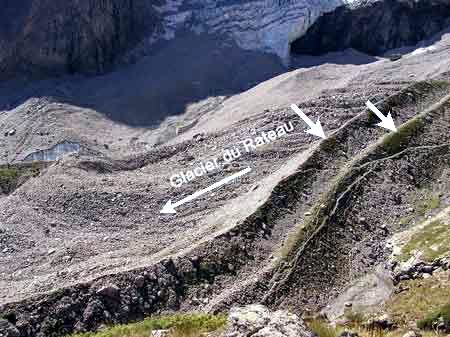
[[46, 37]]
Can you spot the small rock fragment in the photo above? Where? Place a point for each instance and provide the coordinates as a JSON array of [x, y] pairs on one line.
[[412, 334], [11, 132], [258, 321], [348, 334], [139, 281], [7, 329], [160, 333]]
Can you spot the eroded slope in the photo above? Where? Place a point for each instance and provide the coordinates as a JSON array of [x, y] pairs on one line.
[[86, 244]]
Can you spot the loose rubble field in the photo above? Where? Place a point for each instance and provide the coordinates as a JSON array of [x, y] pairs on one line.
[[83, 242]]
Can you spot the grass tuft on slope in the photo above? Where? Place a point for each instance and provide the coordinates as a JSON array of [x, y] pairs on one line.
[[442, 314], [433, 241], [12, 176], [422, 298], [188, 325], [8, 179]]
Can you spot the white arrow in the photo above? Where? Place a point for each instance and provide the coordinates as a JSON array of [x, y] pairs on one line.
[[169, 208], [315, 128], [386, 122]]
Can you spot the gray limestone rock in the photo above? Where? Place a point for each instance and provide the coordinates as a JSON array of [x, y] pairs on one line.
[[258, 321]]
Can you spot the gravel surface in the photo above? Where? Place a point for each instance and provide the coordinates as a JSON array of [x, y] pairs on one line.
[[95, 215]]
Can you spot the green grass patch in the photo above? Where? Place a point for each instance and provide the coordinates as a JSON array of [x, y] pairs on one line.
[[12, 176], [430, 203], [8, 179], [323, 329], [355, 319], [433, 241], [443, 313], [294, 239], [189, 325], [423, 297], [405, 221], [319, 213], [396, 141]]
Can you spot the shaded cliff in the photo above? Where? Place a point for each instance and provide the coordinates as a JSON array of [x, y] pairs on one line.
[[374, 27], [47, 37]]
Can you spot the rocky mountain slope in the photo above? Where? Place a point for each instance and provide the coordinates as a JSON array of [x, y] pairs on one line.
[[39, 38], [83, 242]]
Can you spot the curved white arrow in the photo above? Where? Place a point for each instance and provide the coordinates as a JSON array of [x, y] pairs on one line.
[[315, 128], [169, 208], [386, 122]]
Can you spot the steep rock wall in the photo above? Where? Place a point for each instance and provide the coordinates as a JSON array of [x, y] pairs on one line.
[[374, 27], [89, 36], [264, 25], [48, 37]]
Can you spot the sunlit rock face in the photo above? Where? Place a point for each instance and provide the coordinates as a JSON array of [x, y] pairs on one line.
[[43, 38], [263, 25]]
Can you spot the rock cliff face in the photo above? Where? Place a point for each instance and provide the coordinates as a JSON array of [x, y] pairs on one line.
[[264, 25], [47, 37], [375, 26], [88, 36]]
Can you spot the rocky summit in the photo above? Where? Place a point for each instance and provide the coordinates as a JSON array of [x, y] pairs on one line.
[[192, 168]]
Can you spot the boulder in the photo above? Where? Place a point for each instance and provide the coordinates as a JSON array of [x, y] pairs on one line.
[[259, 321], [365, 294], [11, 132], [111, 291], [383, 322], [139, 281], [7, 329], [395, 57], [442, 325], [348, 334], [412, 334], [160, 333]]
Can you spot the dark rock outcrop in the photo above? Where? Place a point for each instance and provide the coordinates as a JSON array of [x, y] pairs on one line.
[[416, 268], [47, 37], [7, 329], [374, 27]]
